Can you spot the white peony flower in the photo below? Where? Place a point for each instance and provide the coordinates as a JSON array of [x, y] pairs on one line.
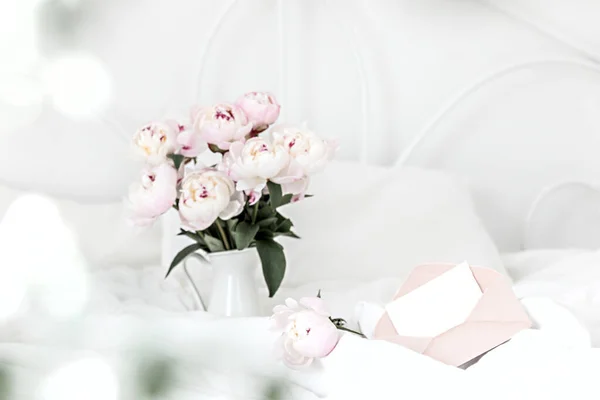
[[308, 155], [305, 148], [220, 125], [156, 140], [207, 195], [252, 163]]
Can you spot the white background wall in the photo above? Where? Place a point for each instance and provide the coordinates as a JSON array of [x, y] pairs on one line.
[[417, 56]]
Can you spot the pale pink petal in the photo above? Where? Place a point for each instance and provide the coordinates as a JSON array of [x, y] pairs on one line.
[[254, 184], [254, 197], [223, 145], [280, 308], [260, 107], [191, 145], [243, 131], [280, 320], [235, 207], [154, 195], [292, 358], [317, 335], [308, 332], [296, 187], [316, 304], [279, 347], [291, 303]]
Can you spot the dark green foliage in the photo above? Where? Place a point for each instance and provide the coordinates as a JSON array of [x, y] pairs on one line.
[[257, 226]]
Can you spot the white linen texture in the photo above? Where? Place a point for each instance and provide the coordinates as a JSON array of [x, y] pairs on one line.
[[133, 309]]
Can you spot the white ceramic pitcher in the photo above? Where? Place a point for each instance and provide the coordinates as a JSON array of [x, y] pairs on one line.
[[234, 292]]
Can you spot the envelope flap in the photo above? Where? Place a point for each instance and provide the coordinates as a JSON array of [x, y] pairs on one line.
[[384, 330], [420, 275], [498, 302]]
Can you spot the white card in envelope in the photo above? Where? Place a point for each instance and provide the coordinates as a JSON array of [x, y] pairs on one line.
[[439, 305]]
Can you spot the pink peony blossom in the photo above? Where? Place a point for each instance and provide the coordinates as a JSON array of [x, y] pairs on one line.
[[153, 195], [308, 332], [219, 125], [190, 142], [261, 108]]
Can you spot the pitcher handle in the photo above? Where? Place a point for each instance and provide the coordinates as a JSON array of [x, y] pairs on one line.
[[204, 258]]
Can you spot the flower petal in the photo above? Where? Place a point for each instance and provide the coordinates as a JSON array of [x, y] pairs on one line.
[[291, 303], [280, 320], [316, 304], [280, 308]]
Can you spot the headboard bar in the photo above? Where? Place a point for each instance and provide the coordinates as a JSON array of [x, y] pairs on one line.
[[282, 95], [364, 84], [282, 73], [211, 36], [543, 195], [454, 103]]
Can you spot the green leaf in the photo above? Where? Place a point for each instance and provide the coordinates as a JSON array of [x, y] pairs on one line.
[[286, 199], [186, 251], [284, 226], [288, 233], [264, 234], [275, 194], [214, 148], [214, 244], [231, 224], [244, 234], [265, 212], [194, 236], [177, 159], [266, 222], [272, 259]]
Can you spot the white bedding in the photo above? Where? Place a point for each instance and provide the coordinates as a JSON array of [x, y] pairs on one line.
[[135, 310], [569, 277]]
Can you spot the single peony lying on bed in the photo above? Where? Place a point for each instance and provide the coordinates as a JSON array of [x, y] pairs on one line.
[[227, 173], [308, 331]]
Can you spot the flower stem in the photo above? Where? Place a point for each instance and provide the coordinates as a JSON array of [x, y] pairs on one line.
[[341, 328], [223, 235], [255, 213]]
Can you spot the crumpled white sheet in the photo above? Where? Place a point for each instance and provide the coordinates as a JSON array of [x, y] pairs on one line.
[[136, 312], [568, 277]]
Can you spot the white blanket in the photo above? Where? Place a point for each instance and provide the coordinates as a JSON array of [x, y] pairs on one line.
[[136, 316]]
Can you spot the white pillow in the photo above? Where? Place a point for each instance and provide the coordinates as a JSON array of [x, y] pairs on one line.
[[101, 230], [367, 222]]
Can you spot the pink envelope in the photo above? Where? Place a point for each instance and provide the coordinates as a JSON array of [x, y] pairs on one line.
[[495, 319]]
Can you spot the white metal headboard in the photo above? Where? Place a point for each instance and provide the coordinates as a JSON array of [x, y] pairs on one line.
[[549, 189], [350, 34], [427, 132], [376, 96]]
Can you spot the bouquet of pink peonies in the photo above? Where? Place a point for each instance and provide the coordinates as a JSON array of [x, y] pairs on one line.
[[227, 173]]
